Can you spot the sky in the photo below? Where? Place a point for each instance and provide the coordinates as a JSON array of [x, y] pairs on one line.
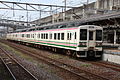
[[21, 15]]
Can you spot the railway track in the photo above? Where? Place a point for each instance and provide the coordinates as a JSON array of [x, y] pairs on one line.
[[107, 65], [17, 71], [80, 73], [8, 69], [115, 67], [5, 74]]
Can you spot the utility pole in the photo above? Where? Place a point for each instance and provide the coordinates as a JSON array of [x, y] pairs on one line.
[[83, 10], [85, 6], [64, 15], [27, 14], [65, 4], [87, 2]]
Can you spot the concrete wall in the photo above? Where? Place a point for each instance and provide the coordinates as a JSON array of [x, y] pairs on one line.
[[111, 58]]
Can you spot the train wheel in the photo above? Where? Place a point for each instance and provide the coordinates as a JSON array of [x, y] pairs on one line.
[[75, 54], [68, 52], [54, 50]]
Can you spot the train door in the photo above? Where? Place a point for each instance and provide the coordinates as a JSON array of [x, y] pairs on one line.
[[91, 43], [69, 41], [69, 38], [91, 39]]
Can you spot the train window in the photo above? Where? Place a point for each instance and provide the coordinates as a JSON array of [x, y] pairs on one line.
[[55, 35], [62, 36], [22, 35], [58, 36], [50, 35], [75, 35], [46, 36], [70, 36], [37, 29], [90, 35], [83, 34], [41, 36], [67, 36], [38, 35], [27, 35], [99, 35], [33, 35]]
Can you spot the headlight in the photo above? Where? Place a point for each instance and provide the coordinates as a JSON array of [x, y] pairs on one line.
[[82, 44], [98, 44]]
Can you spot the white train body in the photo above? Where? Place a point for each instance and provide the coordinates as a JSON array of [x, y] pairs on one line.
[[82, 41]]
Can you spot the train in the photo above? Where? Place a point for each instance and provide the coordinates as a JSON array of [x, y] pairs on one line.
[[73, 39]]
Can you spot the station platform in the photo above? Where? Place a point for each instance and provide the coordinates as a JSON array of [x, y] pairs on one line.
[[112, 55], [110, 45]]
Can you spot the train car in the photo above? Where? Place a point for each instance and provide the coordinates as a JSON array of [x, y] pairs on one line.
[[72, 39]]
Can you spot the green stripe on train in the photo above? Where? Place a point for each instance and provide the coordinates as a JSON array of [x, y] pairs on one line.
[[58, 42], [51, 44]]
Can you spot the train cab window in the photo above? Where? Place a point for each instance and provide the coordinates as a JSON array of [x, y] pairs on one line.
[[90, 35], [55, 35], [99, 35], [62, 36], [50, 35], [75, 35], [83, 34], [58, 36]]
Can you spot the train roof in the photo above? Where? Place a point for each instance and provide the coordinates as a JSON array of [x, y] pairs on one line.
[[67, 24], [90, 26], [50, 26]]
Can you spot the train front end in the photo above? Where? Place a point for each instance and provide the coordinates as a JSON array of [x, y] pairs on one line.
[[90, 41]]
